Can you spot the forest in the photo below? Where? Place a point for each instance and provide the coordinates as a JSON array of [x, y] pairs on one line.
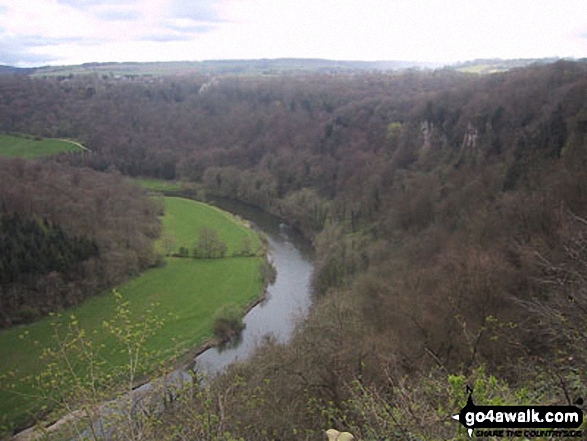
[[448, 212], [66, 234]]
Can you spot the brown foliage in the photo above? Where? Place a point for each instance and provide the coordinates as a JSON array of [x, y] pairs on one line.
[[105, 208]]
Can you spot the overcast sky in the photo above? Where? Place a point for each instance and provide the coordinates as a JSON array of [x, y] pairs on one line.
[[39, 32]]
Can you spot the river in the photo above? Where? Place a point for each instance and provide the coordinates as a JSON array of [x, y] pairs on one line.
[[288, 298]]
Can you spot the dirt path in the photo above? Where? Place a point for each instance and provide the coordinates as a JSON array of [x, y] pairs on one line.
[[77, 144]]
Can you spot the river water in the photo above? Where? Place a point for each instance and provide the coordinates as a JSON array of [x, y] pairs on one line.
[[287, 300]]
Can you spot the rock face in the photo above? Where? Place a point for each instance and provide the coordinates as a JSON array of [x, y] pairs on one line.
[[432, 138], [427, 128], [470, 138], [470, 146], [206, 87]]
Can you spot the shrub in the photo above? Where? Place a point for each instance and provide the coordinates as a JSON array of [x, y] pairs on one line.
[[228, 323], [268, 272], [26, 314]]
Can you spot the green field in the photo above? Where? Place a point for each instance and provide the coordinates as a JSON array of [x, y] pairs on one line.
[[188, 293], [159, 185], [28, 147], [202, 215], [480, 69]]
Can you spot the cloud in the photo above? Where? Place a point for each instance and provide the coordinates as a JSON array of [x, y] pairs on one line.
[[107, 10], [16, 58], [119, 15], [190, 29], [38, 40], [76, 31], [84, 4], [35, 50], [165, 38], [17, 51], [197, 10]]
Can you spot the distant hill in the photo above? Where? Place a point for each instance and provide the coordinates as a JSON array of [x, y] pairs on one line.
[[231, 67], [493, 65], [267, 67], [10, 70]]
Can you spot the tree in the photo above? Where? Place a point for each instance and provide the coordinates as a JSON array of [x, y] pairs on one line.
[[209, 245], [246, 247], [169, 243]]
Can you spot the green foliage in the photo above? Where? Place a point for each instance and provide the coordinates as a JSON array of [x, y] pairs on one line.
[[341, 255], [419, 407], [75, 374], [246, 249], [228, 322], [309, 210], [267, 272], [393, 130], [488, 390]]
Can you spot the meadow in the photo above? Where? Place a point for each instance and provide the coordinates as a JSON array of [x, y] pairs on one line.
[[201, 215], [29, 147], [158, 185], [184, 295]]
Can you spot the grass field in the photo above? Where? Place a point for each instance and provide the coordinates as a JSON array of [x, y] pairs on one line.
[[159, 184], [26, 147], [202, 215], [188, 293], [482, 69]]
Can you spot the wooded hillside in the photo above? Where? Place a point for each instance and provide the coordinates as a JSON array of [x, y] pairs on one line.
[[449, 214], [67, 233]]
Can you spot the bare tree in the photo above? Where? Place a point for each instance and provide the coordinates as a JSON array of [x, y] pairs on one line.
[[209, 245]]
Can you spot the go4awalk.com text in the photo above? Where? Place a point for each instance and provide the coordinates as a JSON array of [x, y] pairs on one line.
[[521, 421]]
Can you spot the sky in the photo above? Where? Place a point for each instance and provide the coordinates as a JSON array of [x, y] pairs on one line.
[[64, 32]]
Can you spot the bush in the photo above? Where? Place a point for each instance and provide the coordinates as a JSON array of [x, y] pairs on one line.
[[26, 314], [228, 323], [268, 272]]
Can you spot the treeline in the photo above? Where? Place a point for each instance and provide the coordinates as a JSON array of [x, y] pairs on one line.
[[448, 213], [346, 137], [67, 233]]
